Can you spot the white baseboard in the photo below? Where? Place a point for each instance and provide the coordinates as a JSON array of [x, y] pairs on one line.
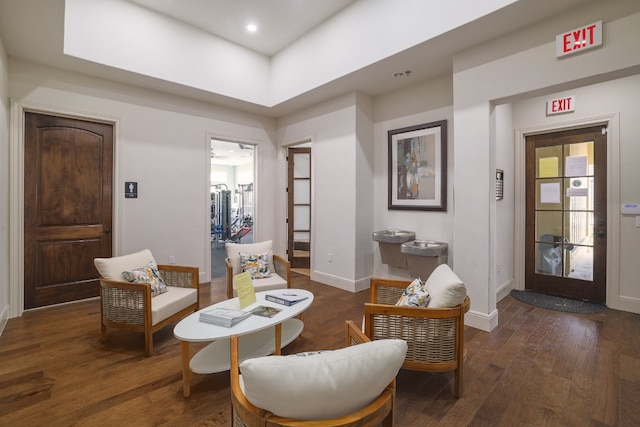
[[341, 283], [482, 321], [629, 304], [4, 317], [504, 290]]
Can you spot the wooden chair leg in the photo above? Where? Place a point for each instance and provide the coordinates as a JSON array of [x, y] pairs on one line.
[[388, 421], [458, 382], [148, 342], [103, 332]]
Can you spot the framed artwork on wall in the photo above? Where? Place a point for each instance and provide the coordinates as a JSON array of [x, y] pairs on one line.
[[418, 167]]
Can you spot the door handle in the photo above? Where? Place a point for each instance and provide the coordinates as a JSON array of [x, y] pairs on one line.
[[107, 230], [601, 233]]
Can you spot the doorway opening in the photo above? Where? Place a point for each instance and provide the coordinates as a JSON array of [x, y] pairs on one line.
[[232, 198]]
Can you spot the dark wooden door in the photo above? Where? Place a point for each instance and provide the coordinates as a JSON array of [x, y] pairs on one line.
[[299, 207], [67, 207], [566, 213]]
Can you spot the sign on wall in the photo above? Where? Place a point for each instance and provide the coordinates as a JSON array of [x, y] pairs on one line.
[[130, 190], [579, 39], [565, 104]]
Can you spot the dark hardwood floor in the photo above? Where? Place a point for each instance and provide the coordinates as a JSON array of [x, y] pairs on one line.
[[537, 368]]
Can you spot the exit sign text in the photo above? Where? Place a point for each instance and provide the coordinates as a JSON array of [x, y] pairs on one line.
[[561, 105], [579, 40]]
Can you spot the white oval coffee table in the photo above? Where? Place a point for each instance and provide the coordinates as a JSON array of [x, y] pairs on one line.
[[259, 336]]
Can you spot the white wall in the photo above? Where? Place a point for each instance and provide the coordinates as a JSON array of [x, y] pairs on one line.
[[503, 217], [481, 79], [335, 166], [363, 212], [163, 143], [4, 190], [422, 103]]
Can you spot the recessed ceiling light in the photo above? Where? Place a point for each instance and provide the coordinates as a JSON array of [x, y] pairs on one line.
[[252, 28]]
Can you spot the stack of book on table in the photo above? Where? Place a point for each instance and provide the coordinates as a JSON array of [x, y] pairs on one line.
[[284, 297], [223, 316]]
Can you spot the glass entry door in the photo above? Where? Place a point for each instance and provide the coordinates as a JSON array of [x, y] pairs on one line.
[[566, 214]]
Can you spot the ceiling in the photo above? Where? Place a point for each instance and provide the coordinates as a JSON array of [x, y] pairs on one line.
[[279, 22], [32, 30], [225, 153]]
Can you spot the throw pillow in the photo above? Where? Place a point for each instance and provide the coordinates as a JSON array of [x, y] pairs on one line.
[[256, 265], [416, 295], [325, 385], [147, 274], [445, 288], [234, 249]]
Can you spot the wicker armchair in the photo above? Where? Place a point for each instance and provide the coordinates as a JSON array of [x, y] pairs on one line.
[[280, 274], [377, 413], [126, 305], [435, 335]]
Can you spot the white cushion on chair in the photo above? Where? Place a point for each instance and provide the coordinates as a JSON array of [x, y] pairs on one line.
[[445, 288], [266, 284], [112, 268], [170, 302], [323, 385], [234, 249]]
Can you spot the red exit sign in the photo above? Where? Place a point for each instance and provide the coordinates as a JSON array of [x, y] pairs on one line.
[[579, 40], [561, 105]]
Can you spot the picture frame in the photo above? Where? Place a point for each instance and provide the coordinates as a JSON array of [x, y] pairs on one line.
[[418, 167]]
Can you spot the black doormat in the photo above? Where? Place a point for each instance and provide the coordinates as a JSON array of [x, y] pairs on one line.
[[557, 303]]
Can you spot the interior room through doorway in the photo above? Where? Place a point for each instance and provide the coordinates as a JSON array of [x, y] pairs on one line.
[[232, 198]]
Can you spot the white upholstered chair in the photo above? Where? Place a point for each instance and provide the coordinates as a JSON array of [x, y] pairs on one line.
[[279, 268], [127, 305], [350, 387]]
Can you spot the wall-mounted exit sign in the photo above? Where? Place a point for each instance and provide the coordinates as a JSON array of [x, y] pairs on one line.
[[566, 104], [579, 40]]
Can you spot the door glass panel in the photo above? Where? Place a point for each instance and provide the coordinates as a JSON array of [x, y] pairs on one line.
[[549, 162], [579, 193], [302, 191], [578, 226], [549, 194], [302, 236], [548, 223], [580, 262], [302, 218], [302, 166], [549, 258]]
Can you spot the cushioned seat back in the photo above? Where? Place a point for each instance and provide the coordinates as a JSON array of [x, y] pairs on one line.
[[112, 268], [322, 385], [235, 249]]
